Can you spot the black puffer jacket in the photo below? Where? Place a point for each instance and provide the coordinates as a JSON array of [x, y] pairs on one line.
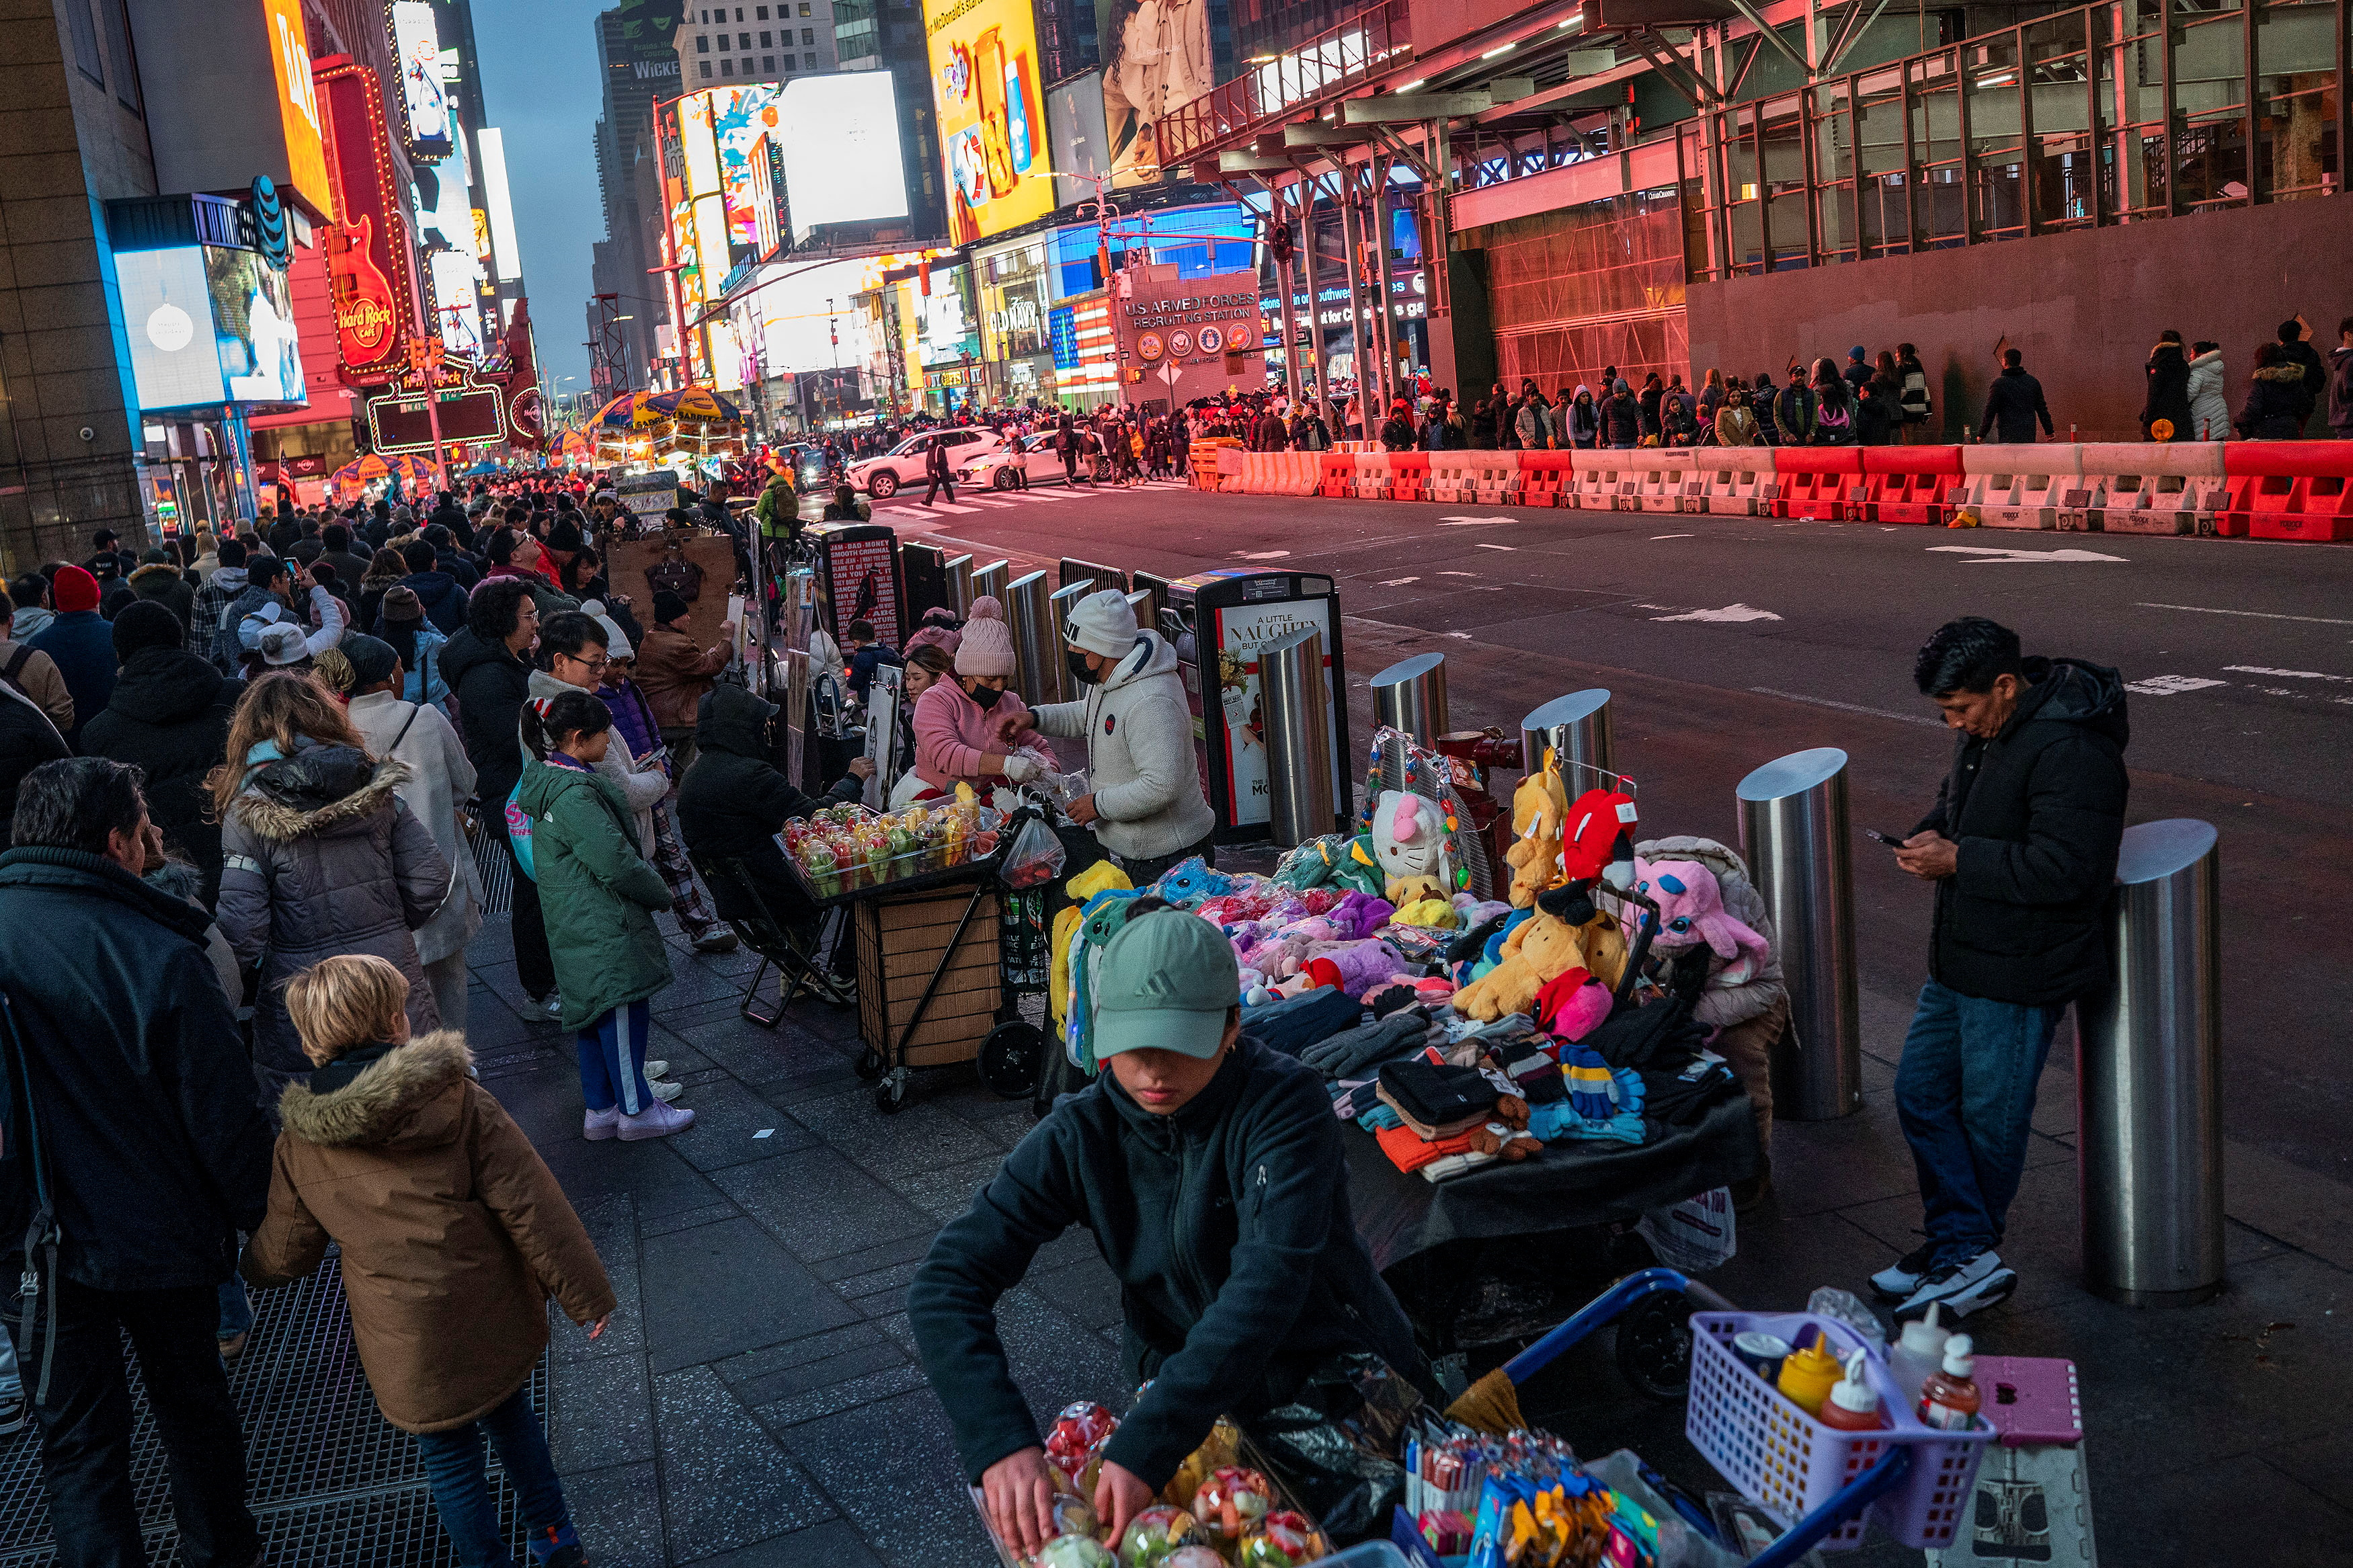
[[28, 739], [1227, 1225], [490, 684], [733, 802], [169, 714], [157, 1146], [2168, 389], [2037, 812]]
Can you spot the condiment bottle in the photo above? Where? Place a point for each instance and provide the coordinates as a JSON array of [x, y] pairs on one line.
[[1917, 1354], [1948, 1400], [1809, 1374], [1853, 1404]]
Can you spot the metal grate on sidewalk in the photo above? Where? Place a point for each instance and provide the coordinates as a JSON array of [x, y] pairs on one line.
[[330, 1480]]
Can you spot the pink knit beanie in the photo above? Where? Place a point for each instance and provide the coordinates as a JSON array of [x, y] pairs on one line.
[[987, 649]]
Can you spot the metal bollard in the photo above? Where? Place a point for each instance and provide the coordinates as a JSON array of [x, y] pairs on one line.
[[1793, 833], [1060, 602], [1157, 586], [1037, 646], [2149, 1077], [1410, 695], [990, 580], [1074, 569], [1576, 728], [959, 599], [1294, 704]]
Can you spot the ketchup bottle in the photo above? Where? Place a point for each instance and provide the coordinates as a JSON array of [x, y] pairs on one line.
[[1948, 1400]]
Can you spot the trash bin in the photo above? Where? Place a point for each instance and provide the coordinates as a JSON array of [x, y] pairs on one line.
[[2149, 1077], [1793, 833]]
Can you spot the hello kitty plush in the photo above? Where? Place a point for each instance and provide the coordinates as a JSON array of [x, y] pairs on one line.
[[1409, 845]]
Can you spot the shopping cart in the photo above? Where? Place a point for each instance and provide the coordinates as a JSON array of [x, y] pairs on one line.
[[1820, 1482]]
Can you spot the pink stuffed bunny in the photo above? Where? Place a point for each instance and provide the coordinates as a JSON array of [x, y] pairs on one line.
[[1691, 912]]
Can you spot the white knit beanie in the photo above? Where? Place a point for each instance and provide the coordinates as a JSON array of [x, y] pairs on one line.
[[1104, 622]]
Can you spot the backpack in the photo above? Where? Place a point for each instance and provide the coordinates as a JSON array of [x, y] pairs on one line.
[[519, 830], [1835, 420]]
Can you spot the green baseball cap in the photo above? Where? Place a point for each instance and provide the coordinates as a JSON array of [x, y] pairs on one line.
[[1165, 981]]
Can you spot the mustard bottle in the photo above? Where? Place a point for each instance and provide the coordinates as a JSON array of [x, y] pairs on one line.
[[1808, 1375]]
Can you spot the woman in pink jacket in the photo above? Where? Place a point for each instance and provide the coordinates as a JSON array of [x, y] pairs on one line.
[[956, 721]]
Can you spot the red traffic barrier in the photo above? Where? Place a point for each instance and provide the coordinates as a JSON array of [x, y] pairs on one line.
[[1543, 475], [1815, 480], [1410, 475], [1907, 484], [1335, 473], [2288, 490]]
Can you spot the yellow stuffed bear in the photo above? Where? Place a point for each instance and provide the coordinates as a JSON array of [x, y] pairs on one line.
[[1539, 949], [1539, 806]]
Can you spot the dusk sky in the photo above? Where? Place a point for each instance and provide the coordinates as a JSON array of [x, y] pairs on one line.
[[540, 80]]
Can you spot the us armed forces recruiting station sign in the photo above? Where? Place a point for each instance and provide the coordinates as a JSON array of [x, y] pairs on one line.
[[1188, 337]]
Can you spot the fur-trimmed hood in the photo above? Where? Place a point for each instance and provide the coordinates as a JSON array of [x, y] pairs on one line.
[[2290, 372], [397, 1100], [317, 790], [156, 575]]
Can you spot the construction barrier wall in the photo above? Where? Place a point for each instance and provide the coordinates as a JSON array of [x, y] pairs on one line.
[[2290, 490]]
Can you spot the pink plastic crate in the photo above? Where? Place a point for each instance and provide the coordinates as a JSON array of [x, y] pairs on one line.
[[2029, 1399], [1790, 1464]]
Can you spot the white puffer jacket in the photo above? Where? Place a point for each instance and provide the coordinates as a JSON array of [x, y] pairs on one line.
[[1147, 786]]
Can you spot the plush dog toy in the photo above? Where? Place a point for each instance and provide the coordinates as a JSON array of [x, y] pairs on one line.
[[1539, 808], [1190, 882], [1355, 967], [1691, 912], [1539, 949], [1409, 845]]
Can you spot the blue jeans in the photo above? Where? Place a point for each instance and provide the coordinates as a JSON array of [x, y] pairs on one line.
[[613, 1059], [1965, 1094], [236, 1310], [461, 1486]]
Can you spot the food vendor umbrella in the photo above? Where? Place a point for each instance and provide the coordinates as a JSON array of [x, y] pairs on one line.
[[695, 402], [630, 411]]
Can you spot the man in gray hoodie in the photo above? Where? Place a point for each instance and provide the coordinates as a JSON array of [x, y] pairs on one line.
[[1147, 806]]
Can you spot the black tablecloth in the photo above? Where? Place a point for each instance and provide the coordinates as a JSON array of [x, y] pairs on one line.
[[1568, 1185]]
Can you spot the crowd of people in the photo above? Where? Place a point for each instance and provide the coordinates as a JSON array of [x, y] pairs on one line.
[[2189, 399]]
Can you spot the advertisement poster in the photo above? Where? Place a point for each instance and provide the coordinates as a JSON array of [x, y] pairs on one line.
[[1241, 632], [992, 115], [740, 117], [425, 101], [862, 584], [1191, 337], [167, 307], [1156, 58], [1074, 129], [298, 105]]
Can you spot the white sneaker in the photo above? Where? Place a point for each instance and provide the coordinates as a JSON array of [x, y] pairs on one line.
[[657, 1070], [665, 1092], [1903, 1276], [656, 1121], [722, 939], [552, 1005], [601, 1124], [1959, 1288]]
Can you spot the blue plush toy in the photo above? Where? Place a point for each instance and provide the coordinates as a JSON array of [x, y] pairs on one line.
[[1190, 883], [1494, 953]]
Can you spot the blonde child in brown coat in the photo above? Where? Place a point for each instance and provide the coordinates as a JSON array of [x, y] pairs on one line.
[[454, 1235]]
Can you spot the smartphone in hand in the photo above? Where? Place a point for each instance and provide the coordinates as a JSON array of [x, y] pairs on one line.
[[1887, 838]]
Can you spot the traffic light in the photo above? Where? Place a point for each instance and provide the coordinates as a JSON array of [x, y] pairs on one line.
[[1279, 244]]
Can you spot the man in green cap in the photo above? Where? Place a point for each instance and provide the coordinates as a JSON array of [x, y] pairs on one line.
[[1210, 1170]]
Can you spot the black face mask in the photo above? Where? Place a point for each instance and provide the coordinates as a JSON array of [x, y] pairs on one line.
[[986, 696], [1076, 663]]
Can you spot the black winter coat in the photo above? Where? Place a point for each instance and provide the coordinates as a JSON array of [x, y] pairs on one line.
[[2168, 390], [732, 802], [169, 714], [158, 1151], [490, 684], [2037, 812], [1622, 420], [2275, 408], [28, 740], [443, 597], [2313, 384], [2013, 403], [1227, 1225]]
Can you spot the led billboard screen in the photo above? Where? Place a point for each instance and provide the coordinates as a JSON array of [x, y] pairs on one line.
[[259, 349], [843, 164], [417, 53], [992, 115], [1075, 129], [740, 117], [167, 306], [298, 104], [1154, 60]]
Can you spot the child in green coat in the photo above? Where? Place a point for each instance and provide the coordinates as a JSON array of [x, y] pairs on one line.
[[599, 895]]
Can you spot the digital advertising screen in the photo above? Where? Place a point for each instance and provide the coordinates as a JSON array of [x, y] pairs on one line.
[[298, 104], [252, 308], [1156, 59], [1075, 129], [992, 115], [844, 163], [167, 306], [740, 117], [425, 101]]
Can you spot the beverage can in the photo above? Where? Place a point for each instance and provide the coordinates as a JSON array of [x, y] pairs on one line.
[[1761, 1354]]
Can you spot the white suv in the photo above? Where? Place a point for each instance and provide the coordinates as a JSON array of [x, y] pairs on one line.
[[903, 465]]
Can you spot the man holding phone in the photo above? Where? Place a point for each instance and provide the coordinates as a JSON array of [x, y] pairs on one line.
[[2021, 847]]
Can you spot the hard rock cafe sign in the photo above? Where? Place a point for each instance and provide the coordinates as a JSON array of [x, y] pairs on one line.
[[366, 310]]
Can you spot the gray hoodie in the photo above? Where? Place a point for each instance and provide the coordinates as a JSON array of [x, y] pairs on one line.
[[1147, 788]]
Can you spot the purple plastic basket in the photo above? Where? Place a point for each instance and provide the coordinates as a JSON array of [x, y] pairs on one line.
[[1790, 1464]]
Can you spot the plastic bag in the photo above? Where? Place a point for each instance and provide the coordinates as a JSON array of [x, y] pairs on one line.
[[1037, 856], [1337, 1442], [1694, 1235]]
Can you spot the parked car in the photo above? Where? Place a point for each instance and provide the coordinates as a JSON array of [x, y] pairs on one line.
[[903, 465], [994, 469]]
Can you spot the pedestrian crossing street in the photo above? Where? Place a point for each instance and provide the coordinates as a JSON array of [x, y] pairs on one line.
[[1000, 500]]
